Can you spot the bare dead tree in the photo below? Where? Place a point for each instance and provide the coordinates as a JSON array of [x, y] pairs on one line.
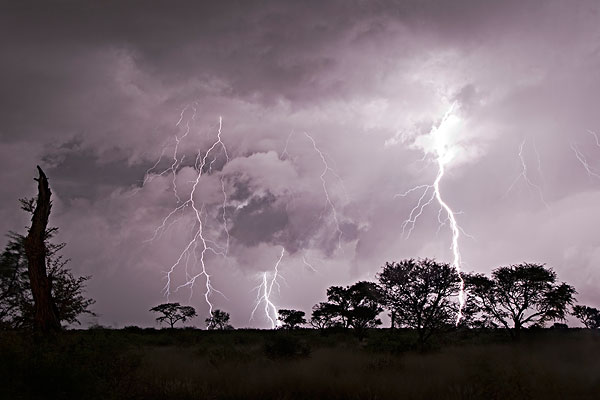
[[46, 314]]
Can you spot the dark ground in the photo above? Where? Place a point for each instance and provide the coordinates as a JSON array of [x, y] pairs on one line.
[[139, 363]]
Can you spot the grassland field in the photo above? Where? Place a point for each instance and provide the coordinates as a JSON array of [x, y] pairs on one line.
[[135, 363]]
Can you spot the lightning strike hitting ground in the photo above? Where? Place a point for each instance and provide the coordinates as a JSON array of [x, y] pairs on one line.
[[265, 291], [524, 174], [442, 153], [591, 171], [196, 249]]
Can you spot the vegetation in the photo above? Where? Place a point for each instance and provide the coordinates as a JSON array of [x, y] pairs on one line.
[[425, 355], [173, 313], [291, 319], [37, 289], [137, 363], [420, 295], [218, 320], [356, 306], [589, 316], [518, 295]]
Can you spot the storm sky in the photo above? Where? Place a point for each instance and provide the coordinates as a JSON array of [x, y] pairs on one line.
[[93, 93]]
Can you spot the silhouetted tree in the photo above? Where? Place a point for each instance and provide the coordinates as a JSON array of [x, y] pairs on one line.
[[420, 294], [338, 305], [365, 300], [173, 313], [356, 306], [291, 318], [589, 316], [323, 316], [16, 300], [45, 316], [520, 295], [36, 288], [218, 320]]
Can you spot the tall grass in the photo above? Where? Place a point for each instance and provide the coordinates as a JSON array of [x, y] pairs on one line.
[[247, 364]]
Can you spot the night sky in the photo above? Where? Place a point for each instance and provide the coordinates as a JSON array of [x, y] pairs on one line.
[[94, 94]]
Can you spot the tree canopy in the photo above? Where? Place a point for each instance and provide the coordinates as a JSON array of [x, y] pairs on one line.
[[520, 295], [16, 299], [173, 313], [356, 306], [291, 319], [589, 316], [218, 320], [420, 294]]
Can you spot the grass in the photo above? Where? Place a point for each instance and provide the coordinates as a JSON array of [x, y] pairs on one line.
[[248, 364]]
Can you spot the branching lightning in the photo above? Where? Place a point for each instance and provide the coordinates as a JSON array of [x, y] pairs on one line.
[[265, 292], [197, 248], [443, 153]]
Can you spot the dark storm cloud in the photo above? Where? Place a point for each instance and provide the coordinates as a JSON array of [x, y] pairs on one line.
[[93, 91], [259, 221]]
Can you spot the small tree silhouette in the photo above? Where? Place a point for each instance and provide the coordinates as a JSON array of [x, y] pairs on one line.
[[218, 320], [589, 316], [173, 313], [291, 318], [356, 306]]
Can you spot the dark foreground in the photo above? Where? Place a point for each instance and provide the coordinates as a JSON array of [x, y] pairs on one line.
[[304, 364]]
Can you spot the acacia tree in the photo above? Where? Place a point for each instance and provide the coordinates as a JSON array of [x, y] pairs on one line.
[[323, 316], [218, 320], [589, 316], [356, 306], [291, 318], [520, 295], [173, 313], [419, 294]]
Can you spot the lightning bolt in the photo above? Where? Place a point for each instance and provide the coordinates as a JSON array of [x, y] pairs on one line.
[[199, 245], [524, 174], [443, 154], [588, 168], [265, 291]]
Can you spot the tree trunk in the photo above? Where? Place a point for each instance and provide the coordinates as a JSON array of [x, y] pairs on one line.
[[45, 315]]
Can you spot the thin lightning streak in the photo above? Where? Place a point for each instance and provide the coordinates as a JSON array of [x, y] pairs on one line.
[[590, 171], [525, 175], [265, 291], [582, 159], [327, 169], [443, 156], [308, 264], [595, 137]]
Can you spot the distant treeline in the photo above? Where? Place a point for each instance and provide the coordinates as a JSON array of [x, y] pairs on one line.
[[431, 298]]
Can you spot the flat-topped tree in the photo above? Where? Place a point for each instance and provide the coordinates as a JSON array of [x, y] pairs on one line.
[[520, 295], [291, 319], [173, 313], [356, 306]]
